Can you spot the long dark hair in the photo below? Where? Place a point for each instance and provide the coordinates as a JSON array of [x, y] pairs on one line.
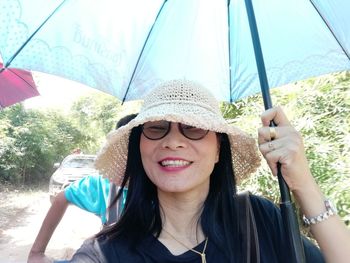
[[141, 214]]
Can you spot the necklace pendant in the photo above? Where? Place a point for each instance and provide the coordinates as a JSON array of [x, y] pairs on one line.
[[203, 258]]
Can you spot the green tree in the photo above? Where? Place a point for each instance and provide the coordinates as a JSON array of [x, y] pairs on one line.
[[320, 110], [32, 140], [95, 115]]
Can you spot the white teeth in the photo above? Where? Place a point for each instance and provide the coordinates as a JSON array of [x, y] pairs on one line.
[[174, 163]]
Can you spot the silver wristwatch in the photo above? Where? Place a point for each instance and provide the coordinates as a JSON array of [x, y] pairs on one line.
[[330, 211]]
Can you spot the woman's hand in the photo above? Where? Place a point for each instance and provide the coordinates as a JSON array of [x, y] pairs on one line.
[[287, 148]]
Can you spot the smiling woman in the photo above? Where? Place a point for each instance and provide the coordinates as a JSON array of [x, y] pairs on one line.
[[181, 162]]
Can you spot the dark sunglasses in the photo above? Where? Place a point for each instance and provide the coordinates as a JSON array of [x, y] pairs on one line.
[[156, 130]]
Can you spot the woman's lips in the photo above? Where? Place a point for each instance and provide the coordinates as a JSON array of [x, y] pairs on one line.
[[172, 164]]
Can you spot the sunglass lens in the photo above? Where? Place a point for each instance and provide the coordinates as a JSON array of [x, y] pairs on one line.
[[192, 133], [155, 130]]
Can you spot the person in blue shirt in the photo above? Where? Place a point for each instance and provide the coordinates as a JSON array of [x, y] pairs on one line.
[[91, 193]]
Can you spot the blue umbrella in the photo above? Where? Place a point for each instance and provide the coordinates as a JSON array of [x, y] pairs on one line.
[[125, 47]]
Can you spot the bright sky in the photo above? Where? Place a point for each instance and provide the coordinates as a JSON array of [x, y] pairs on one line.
[[60, 93], [56, 92]]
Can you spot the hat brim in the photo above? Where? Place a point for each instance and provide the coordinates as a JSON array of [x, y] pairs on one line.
[[111, 161]]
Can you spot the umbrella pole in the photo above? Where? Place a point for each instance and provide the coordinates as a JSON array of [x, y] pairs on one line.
[[287, 207]]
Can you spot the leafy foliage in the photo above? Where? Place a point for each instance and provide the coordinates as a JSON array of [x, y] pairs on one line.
[[320, 110], [32, 140], [96, 115]]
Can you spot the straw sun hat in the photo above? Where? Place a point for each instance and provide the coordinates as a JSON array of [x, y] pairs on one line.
[[186, 102]]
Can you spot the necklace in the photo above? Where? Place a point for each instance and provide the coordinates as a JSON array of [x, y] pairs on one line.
[[193, 250]]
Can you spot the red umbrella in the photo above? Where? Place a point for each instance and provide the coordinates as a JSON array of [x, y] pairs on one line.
[[15, 85]]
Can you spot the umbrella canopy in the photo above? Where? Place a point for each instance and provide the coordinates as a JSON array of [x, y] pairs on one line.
[[126, 47], [16, 85]]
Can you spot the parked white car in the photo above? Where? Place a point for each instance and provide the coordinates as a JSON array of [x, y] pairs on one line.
[[72, 168]]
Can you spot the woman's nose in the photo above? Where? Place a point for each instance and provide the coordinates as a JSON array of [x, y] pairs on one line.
[[174, 139]]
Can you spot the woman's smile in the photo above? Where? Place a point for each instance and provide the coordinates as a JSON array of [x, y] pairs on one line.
[[174, 164]]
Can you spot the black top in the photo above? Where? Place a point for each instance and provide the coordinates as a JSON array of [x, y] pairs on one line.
[[272, 242]]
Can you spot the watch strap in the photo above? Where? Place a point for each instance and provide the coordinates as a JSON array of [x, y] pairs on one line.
[[330, 211]]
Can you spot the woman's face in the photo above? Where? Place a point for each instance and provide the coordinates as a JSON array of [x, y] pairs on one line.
[[175, 163]]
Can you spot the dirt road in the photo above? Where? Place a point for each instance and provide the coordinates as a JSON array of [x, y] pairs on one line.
[[21, 214]]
